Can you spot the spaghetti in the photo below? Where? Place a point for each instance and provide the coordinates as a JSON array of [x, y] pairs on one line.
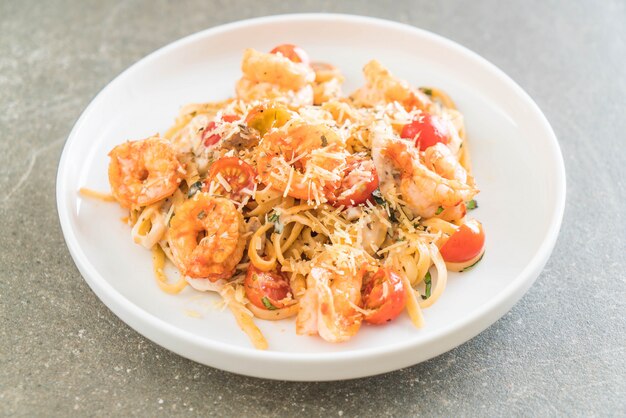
[[292, 200]]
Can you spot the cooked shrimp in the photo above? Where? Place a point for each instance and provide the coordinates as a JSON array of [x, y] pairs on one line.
[[328, 306], [425, 187], [382, 87], [144, 172], [206, 237], [439, 158], [259, 67], [301, 160], [328, 80], [253, 91]]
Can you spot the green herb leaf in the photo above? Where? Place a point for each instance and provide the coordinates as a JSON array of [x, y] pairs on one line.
[[471, 205], [202, 214], [392, 216], [268, 304], [469, 267], [324, 141], [427, 91], [439, 210], [274, 218], [194, 188], [428, 282], [378, 197]]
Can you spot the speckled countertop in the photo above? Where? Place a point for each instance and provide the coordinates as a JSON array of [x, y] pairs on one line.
[[560, 351]]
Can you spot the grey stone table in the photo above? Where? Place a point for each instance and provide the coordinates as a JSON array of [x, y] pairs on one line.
[[560, 351]]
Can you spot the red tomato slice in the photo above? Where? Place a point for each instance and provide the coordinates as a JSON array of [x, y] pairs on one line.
[[466, 243], [359, 182], [208, 137], [384, 294], [292, 52], [266, 289], [427, 130], [237, 173]]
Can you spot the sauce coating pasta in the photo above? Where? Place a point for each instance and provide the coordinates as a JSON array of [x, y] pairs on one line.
[[292, 199]]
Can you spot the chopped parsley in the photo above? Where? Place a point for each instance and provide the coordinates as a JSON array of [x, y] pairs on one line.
[[274, 218], [194, 188], [471, 205], [439, 210], [378, 197], [427, 91], [268, 305], [428, 282], [202, 214]]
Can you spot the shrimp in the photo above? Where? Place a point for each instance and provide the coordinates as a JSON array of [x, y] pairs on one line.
[[252, 91], [272, 76], [304, 161], [328, 80], [328, 306], [260, 67], [440, 181], [144, 172], [206, 237], [381, 87]]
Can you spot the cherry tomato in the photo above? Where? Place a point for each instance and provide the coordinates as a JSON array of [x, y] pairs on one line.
[[266, 289], [360, 172], [384, 294], [427, 130], [237, 173], [264, 117], [464, 244], [292, 52], [208, 137]]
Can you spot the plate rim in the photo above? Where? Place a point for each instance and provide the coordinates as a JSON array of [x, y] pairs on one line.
[[503, 301]]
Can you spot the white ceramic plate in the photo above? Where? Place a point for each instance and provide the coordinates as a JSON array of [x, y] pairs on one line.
[[517, 164]]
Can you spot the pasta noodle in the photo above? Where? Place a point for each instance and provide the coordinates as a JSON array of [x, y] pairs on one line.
[[292, 200]]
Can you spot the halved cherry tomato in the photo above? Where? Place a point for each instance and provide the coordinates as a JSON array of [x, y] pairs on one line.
[[464, 244], [384, 294], [237, 173], [359, 182], [266, 289], [292, 52], [427, 130], [265, 117], [208, 137]]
